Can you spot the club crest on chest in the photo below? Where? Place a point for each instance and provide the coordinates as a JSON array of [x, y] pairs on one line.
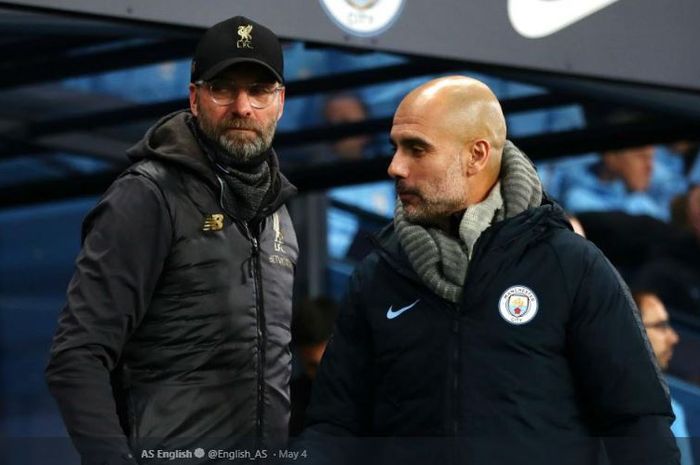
[[518, 305]]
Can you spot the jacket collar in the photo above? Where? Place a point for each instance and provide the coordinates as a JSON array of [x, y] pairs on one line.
[[507, 238], [172, 140]]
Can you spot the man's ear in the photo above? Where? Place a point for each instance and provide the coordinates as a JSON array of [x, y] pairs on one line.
[[479, 152], [193, 99]]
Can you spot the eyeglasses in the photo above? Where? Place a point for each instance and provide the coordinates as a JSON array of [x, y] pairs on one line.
[[260, 95], [662, 325]]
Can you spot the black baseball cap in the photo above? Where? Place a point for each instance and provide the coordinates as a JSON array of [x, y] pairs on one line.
[[236, 40]]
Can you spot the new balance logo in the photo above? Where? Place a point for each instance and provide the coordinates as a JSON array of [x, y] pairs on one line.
[[213, 222]]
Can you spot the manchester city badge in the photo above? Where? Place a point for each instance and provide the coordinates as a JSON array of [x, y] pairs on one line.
[[518, 305]]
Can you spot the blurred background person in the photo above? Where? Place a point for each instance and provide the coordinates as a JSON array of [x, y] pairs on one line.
[[618, 181], [673, 272], [626, 179], [347, 108], [663, 339], [312, 325], [673, 165], [337, 109], [576, 225]]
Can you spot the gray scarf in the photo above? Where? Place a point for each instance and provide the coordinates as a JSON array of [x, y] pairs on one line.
[[442, 261]]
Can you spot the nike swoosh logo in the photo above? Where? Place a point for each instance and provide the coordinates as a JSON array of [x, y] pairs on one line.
[[391, 314], [539, 18]]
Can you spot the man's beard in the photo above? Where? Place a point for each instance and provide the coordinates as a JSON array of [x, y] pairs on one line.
[[431, 211], [435, 203], [240, 148]]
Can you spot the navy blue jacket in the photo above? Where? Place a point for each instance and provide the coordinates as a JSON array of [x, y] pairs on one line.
[[543, 361]]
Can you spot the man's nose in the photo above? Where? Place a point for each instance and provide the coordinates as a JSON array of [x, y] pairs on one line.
[[397, 167], [241, 103], [674, 336]]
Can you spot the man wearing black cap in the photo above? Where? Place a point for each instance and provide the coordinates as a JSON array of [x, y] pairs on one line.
[[174, 341]]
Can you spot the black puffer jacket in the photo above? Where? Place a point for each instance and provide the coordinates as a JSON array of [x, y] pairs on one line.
[[543, 355], [176, 330]]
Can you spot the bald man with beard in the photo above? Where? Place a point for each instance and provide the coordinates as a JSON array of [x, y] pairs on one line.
[[482, 330]]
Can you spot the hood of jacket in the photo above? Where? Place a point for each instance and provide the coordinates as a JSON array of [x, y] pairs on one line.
[[170, 140]]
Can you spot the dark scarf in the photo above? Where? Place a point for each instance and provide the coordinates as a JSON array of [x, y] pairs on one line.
[[247, 183]]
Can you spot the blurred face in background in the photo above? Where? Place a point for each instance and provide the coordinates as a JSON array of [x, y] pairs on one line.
[[347, 109], [694, 210], [311, 356], [634, 166], [577, 226], [659, 331]]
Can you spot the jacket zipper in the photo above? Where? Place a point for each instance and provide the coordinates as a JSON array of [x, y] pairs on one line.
[[452, 424], [457, 324], [255, 273], [260, 322]]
